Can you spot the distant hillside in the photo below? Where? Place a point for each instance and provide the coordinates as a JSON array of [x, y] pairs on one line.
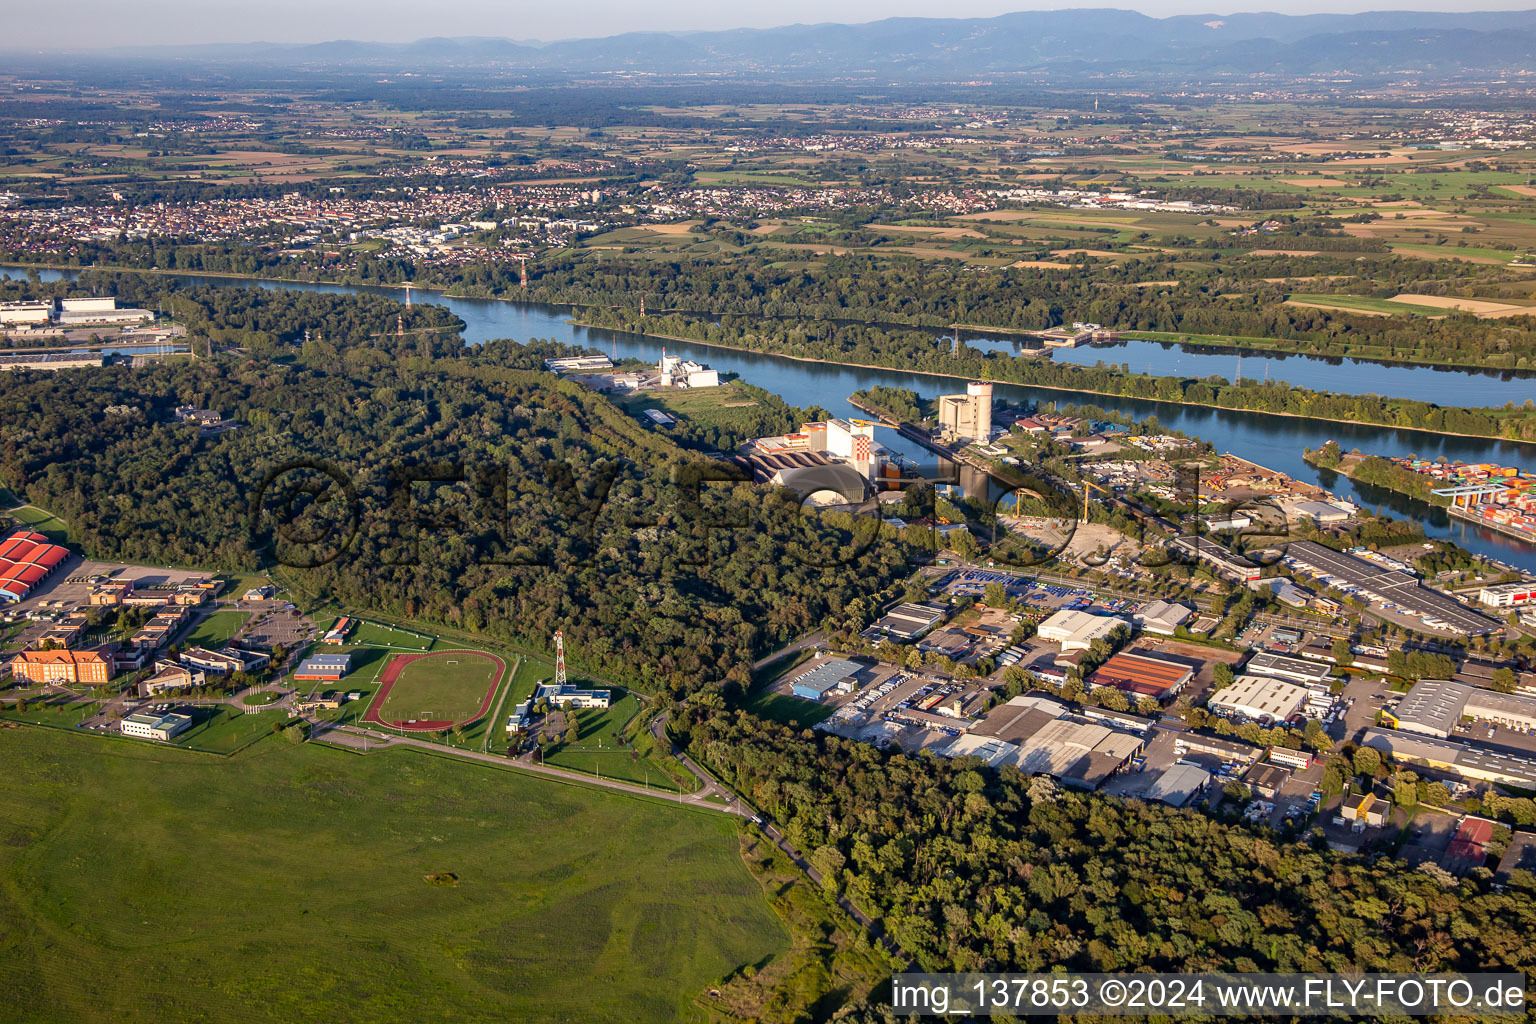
[[1089, 42]]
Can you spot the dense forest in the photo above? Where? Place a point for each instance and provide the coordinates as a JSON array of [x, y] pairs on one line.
[[1217, 292], [550, 507], [973, 869]]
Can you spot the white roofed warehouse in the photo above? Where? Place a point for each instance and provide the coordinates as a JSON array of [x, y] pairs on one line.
[[1076, 631]]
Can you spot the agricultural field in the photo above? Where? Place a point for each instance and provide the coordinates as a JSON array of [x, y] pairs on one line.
[[490, 891]]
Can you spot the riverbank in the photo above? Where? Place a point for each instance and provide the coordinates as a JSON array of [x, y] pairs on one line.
[[1284, 347], [1044, 387], [1237, 344], [1377, 472]]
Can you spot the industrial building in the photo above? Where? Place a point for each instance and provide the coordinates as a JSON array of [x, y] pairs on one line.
[[1382, 585], [1295, 670], [1162, 617], [25, 314], [1434, 707], [910, 621], [1468, 762], [826, 676], [1179, 785], [1142, 676], [27, 559], [1267, 779], [968, 417], [1227, 751], [1507, 595], [578, 364], [1077, 630], [1226, 563], [1259, 699], [324, 667], [1365, 809], [1048, 741], [156, 727]]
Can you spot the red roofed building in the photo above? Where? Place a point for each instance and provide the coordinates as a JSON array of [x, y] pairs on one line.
[[1142, 676], [1469, 846], [89, 667], [26, 559]]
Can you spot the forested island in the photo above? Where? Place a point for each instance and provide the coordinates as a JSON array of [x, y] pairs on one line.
[[913, 350], [1212, 294]]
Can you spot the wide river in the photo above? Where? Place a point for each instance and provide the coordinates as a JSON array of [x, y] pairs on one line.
[[1272, 441]]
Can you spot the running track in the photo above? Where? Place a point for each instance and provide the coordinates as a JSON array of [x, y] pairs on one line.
[[392, 674]]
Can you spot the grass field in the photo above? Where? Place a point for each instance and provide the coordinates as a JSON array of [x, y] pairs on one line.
[[223, 730], [216, 629], [290, 885], [42, 521], [447, 686], [787, 709]]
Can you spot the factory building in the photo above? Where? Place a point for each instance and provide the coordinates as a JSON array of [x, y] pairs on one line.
[[1076, 630], [1507, 595], [1162, 617], [1180, 785], [25, 314], [1434, 707], [1142, 676], [1293, 670], [1383, 585], [1460, 759], [1046, 740], [910, 621], [1259, 699], [968, 417], [1226, 563], [831, 675]]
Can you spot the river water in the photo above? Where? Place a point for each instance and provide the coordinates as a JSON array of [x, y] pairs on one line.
[[1272, 441]]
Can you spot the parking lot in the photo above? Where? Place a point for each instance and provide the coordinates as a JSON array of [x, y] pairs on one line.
[[72, 584]]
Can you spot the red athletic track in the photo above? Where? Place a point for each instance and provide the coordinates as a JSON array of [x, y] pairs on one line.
[[392, 673]]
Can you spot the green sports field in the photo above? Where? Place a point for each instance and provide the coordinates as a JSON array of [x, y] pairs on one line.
[[290, 884], [449, 686]]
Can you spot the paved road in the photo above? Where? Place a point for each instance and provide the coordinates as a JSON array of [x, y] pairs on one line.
[[367, 739], [804, 643]]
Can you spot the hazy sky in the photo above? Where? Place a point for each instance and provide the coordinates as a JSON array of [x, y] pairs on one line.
[[75, 24]]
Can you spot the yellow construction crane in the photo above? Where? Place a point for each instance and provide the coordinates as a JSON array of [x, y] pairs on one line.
[[1087, 488]]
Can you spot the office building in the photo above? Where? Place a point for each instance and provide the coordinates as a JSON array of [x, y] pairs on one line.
[[156, 727]]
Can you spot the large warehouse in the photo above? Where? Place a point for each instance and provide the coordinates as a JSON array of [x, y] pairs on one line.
[[1043, 739], [1076, 631], [1259, 698], [1293, 670], [1434, 707], [1477, 764], [26, 559], [824, 676], [1142, 676], [910, 621], [1379, 585]]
